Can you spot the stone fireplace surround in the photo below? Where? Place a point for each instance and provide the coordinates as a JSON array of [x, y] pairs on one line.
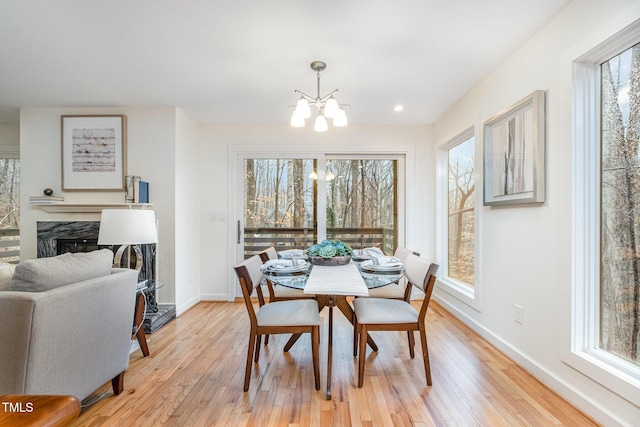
[[57, 237]]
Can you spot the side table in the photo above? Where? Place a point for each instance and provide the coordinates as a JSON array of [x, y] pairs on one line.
[[138, 318], [145, 303]]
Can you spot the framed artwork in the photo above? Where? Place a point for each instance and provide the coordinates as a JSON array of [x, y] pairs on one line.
[[94, 153], [513, 154]]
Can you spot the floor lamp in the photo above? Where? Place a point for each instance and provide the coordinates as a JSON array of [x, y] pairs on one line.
[[127, 227]]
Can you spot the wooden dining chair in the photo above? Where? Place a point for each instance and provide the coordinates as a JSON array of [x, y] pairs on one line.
[[279, 292], [395, 290], [384, 314], [281, 317], [392, 291]]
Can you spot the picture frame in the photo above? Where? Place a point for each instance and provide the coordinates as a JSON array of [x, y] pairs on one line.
[[94, 152], [514, 154]]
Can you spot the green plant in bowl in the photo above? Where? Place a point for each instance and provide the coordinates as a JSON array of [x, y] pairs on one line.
[[329, 252]]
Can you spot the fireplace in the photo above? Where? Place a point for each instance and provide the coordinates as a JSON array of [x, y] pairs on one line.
[[58, 237]]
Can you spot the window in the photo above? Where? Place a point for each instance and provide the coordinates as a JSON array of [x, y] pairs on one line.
[[619, 318], [457, 217], [461, 213], [606, 216], [289, 204], [9, 210], [361, 202]]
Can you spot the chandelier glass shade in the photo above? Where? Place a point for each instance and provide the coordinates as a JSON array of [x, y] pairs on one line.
[[327, 106]]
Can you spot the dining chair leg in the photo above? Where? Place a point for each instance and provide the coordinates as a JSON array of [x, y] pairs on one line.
[[257, 350], [425, 354], [315, 352], [362, 330], [354, 322], [266, 340], [412, 343], [247, 370]]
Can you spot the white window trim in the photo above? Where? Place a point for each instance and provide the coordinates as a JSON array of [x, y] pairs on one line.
[[467, 295], [621, 377]]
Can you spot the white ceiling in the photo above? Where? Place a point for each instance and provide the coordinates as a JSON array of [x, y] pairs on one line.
[[239, 61]]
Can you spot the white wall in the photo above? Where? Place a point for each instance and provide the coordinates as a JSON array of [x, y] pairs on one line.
[[9, 137], [218, 141], [150, 146], [526, 251], [188, 213]]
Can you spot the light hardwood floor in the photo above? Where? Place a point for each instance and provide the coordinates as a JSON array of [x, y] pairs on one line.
[[194, 376]]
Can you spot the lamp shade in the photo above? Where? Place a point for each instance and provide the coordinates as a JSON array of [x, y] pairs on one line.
[[127, 226], [297, 120], [331, 108], [320, 124]]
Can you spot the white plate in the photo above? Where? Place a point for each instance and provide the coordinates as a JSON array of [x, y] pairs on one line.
[[289, 268], [382, 267]]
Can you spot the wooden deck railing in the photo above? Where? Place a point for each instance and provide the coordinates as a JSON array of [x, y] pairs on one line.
[[258, 239], [10, 245]]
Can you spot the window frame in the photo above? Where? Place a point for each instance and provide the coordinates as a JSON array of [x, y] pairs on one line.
[[584, 354], [9, 152], [461, 291]]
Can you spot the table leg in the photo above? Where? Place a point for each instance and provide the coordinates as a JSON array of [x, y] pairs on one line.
[[345, 308], [292, 341], [330, 349], [322, 302]]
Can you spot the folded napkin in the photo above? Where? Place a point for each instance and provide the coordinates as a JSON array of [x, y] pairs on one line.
[[290, 253], [373, 252]]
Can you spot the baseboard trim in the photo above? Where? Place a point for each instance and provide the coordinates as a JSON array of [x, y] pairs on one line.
[[577, 398]]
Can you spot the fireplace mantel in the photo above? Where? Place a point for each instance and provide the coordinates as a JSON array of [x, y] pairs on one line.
[[89, 207]]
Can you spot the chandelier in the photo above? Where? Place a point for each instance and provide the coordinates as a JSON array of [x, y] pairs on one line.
[[328, 107]]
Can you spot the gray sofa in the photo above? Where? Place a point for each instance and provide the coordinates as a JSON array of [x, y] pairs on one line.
[[65, 325]]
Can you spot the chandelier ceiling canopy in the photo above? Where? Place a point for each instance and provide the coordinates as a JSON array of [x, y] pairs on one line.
[[327, 106]]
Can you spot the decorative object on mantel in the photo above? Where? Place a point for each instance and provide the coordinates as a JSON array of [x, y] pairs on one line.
[[94, 153], [141, 192], [329, 252], [47, 199], [129, 194], [136, 190], [328, 107]]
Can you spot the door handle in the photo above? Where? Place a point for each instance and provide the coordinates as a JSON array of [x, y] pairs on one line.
[[238, 236]]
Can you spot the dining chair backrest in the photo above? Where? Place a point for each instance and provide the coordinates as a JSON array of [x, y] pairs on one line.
[[250, 276], [418, 271], [421, 274], [402, 253], [269, 253]]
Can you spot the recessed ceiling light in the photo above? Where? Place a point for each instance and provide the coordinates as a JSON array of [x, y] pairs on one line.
[[398, 108]]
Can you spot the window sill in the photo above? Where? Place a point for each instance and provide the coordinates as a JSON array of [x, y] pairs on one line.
[[604, 369], [460, 291]]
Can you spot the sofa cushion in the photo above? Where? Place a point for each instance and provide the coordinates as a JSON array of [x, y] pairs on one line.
[[42, 274], [6, 274]]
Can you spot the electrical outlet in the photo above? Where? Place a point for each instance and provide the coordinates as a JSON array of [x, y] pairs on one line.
[[517, 313]]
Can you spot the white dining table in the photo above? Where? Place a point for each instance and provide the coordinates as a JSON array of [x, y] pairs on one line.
[[337, 283]]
